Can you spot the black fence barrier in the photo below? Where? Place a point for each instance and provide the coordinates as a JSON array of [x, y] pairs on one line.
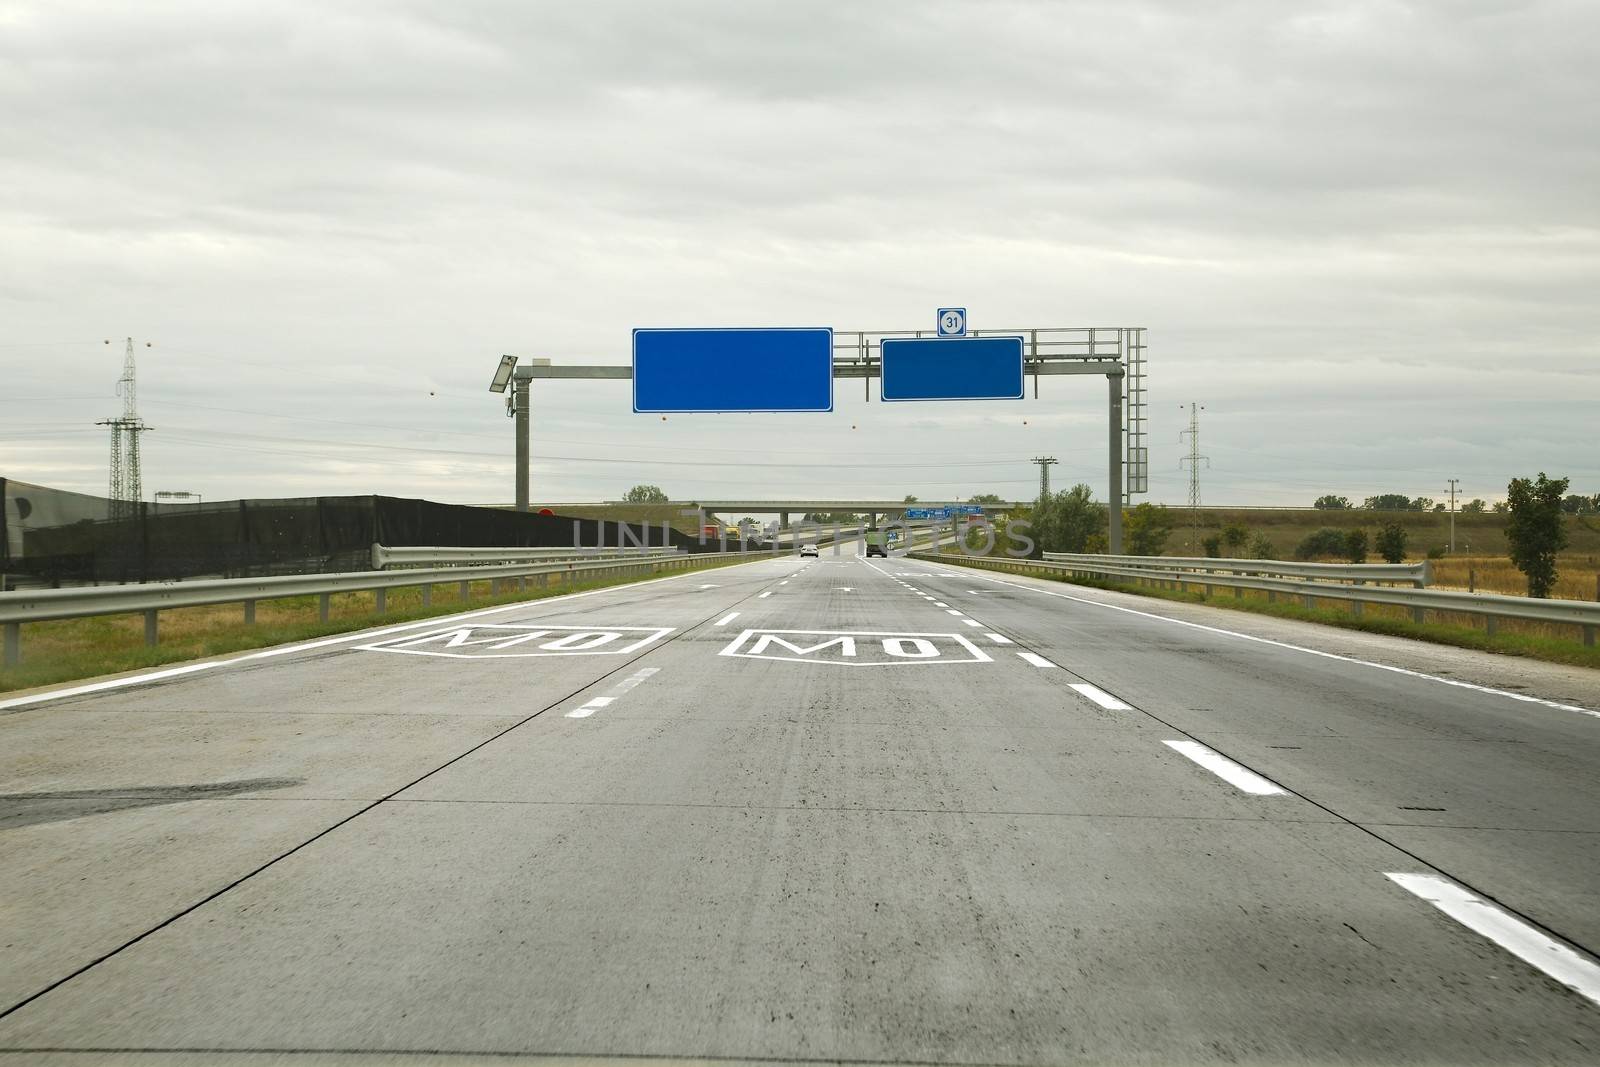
[[53, 537]]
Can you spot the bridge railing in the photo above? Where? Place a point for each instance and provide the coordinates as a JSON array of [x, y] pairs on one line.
[[1160, 571], [46, 605]]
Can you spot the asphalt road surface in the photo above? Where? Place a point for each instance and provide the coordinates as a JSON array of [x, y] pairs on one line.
[[832, 809]]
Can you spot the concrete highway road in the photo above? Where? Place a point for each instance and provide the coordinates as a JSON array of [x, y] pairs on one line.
[[832, 809]]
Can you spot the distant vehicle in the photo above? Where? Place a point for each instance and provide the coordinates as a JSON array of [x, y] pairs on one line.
[[877, 543], [734, 533], [808, 550]]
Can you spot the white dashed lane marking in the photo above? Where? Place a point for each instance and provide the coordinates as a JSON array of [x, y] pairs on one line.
[[1566, 965], [726, 619], [1100, 696], [1241, 777], [1035, 659]]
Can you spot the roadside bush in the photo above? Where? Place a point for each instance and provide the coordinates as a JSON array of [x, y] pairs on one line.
[[1355, 546], [1261, 547], [1235, 537], [1391, 543], [1436, 552], [1324, 542], [1213, 545]]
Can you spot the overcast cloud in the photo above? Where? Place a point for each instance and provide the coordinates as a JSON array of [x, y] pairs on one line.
[[1364, 235]]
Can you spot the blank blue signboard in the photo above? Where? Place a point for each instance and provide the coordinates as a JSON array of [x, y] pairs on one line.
[[952, 368], [733, 370]]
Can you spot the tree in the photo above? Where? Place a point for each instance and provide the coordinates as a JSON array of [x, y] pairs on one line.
[[1422, 503], [1331, 503], [1501, 507], [1577, 504], [1064, 521], [1235, 536], [1387, 502], [1475, 506], [1355, 546], [1261, 547], [1535, 531], [1212, 545], [1324, 542], [645, 494], [909, 499], [985, 498], [1391, 543], [1146, 529]]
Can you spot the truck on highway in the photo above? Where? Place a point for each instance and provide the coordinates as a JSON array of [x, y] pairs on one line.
[[877, 543]]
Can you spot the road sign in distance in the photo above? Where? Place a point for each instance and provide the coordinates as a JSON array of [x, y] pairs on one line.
[[714, 370], [952, 368]]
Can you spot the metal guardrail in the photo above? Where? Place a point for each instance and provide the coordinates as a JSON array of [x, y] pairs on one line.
[[45, 605], [1491, 606], [1417, 574], [384, 557]]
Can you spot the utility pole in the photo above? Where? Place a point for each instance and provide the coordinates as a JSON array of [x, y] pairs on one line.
[[127, 480], [1193, 460], [1044, 463], [1454, 484]]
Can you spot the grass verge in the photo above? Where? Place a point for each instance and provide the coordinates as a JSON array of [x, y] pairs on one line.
[[71, 650], [1375, 620]]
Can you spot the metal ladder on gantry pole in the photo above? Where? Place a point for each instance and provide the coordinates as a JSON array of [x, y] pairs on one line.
[[1118, 352]]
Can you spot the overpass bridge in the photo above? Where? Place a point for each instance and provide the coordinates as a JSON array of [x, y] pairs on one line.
[[873, 509]]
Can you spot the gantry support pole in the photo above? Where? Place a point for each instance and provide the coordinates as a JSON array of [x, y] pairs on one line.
[[520, 403], [1114, 493]]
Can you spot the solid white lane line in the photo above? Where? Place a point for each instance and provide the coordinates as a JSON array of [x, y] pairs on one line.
[[972, 622], [764, 596], [1240, 777], [951, 611], [1571, 968], [997, 639], [1298, 648], [1036, 659], [1100, 696], [726, 619]]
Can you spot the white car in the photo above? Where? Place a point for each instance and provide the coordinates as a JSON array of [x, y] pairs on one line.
[[808, 550]]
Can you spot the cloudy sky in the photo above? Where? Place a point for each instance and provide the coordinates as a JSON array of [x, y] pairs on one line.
[[1366, 236]]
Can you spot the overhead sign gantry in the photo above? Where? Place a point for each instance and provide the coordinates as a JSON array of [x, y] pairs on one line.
[[793, 369]]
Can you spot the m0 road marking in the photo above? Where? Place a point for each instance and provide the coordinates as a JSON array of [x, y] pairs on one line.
[[1566, 965], [855, 648], [483, 641], [1240, 777]]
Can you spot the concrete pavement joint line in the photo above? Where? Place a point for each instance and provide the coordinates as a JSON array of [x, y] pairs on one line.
[[1301, 648], [1235, 774], [208, 898], [303, 646], [1099, 696], [1035, 659], [726, 619], [1560, 961]]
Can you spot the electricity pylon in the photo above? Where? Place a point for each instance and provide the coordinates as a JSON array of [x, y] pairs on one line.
[[127, 480]]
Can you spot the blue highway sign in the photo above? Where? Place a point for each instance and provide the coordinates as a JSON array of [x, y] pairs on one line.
[[785, 369], [952, 368]]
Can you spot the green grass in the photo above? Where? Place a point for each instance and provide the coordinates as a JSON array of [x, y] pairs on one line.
[[75, 649], [1531, 646]]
